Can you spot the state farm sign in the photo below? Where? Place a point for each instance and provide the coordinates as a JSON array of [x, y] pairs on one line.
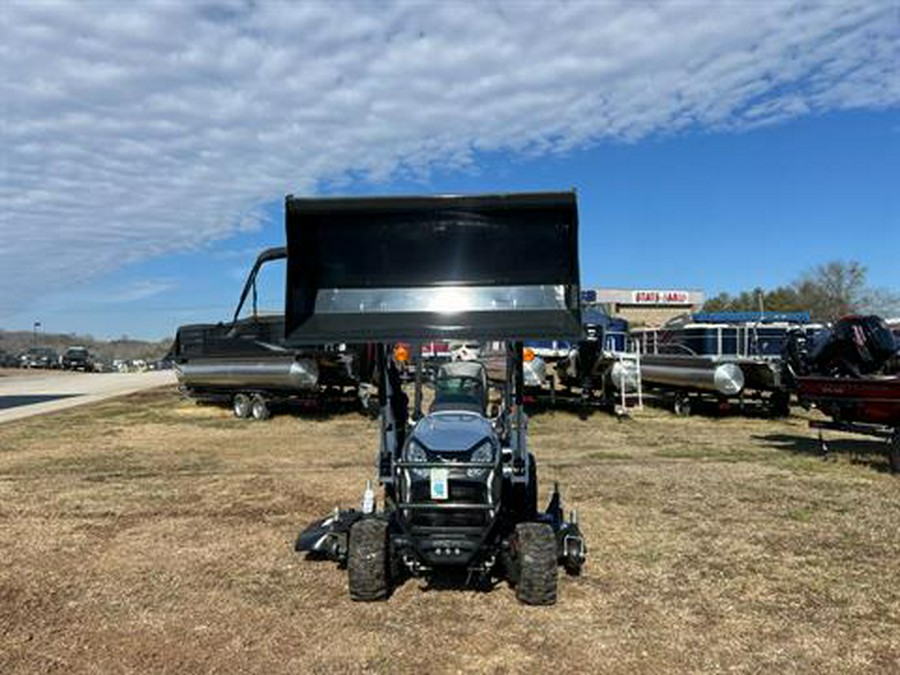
[[660, 298]]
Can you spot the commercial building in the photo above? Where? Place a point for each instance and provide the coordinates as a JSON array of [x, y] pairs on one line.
[[645, 307]]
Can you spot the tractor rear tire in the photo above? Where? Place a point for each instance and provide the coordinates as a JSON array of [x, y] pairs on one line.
[[241, 406], [368, 561], [538, 576], [259, 408]]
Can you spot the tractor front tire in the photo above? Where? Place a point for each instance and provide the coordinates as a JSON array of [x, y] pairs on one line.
[[367, 562], [538, 576]]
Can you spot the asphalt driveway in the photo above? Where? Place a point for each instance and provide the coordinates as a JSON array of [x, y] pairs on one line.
[[26, 394]]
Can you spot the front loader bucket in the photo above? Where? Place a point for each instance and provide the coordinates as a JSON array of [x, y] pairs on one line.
[[502, 267]]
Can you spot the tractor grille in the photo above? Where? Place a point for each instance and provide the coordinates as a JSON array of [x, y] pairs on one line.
[[461, 491]]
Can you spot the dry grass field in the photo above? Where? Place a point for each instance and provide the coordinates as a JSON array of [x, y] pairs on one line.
[[147, 534]]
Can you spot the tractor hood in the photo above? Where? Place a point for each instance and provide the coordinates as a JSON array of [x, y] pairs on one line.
[[452, 431], [387, 269]]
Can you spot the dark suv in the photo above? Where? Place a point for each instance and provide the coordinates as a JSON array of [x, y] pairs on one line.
[[77, 358]]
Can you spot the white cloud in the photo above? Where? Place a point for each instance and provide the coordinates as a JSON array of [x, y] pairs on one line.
[[133, 130], [139, 290], [91, 297]]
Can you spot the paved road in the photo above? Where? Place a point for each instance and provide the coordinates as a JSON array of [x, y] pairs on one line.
[[31, 394]]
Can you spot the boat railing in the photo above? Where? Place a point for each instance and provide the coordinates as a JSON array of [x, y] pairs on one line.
[[730, 341], [612, 339]]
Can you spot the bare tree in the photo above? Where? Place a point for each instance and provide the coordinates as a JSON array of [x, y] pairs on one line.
[[883, 302], [833, 290], [828, 292]]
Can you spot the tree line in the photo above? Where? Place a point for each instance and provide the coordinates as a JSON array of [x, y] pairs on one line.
[[828, 292], [16, 342]]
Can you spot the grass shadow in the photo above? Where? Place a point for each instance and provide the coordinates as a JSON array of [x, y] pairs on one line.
[[863, 451], [543, 405], [455, 581], [710, 408]]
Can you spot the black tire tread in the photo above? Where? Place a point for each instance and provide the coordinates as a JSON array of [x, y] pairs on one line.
[[367, 561], [538, 576]]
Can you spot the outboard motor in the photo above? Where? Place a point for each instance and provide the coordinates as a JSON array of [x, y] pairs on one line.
[[856, 346], [795, 355]]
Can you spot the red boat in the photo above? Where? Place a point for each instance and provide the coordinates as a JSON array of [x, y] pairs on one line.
[[866, 400], [850, 374], [865, 405]]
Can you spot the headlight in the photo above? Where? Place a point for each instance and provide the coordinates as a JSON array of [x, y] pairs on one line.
[[416, 453], [483, 453]]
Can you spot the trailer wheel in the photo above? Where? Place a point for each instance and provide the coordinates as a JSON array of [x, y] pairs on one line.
[[894, 453], [367, 561], [241, 406], [536, 562], [259, 408], [584, 402], [682, 406], [780, 404]]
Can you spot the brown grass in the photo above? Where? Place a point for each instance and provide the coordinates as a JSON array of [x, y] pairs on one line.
[[147, 534]]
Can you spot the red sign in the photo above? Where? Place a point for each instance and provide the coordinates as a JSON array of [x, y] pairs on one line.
[[661, 298]]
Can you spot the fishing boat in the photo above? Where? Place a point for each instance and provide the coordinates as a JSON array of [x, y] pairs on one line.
[[848, 375], [866, 400]]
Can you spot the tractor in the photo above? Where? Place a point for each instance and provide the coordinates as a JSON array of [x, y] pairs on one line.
[[459, 485]]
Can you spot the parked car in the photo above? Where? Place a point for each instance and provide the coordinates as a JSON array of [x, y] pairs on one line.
[[8, 360], [161, 364], [78, 358], [39, 357]]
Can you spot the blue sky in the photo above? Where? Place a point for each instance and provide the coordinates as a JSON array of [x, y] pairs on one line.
[[715, 146]]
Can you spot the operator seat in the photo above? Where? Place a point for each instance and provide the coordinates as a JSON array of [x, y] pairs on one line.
[[461, 386]]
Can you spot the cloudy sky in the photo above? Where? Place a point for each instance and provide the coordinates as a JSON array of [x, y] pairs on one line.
[[147, 147]]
